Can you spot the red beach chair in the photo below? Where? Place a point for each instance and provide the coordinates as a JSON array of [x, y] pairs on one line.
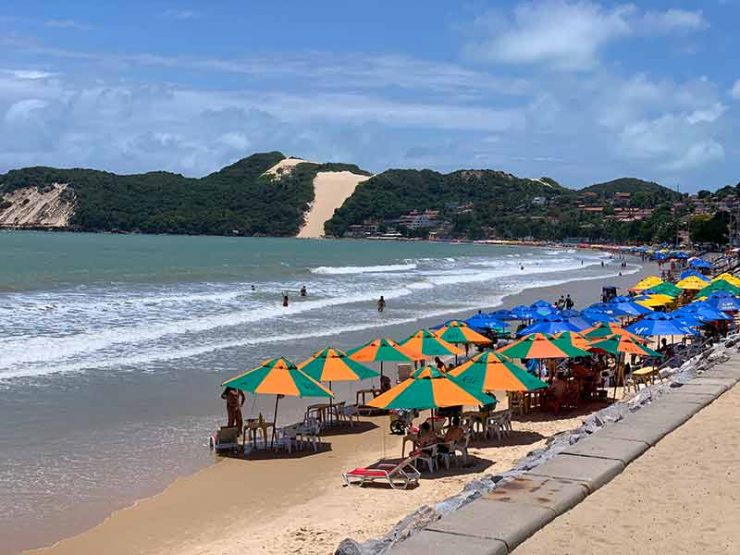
[[398, 476]]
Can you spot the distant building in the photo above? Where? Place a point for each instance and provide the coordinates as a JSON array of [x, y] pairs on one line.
[[539, 201], [419, 220]]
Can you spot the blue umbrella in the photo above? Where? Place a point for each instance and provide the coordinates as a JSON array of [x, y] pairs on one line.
[[680, 254], [694, 273], [700, 263], [724, 301], [549, 324], [660, 323], [568, 313], [523, 312], [503, 314], [607, 308], [704, 312], [542, 308], [687, 318], [580, 322], [595, 316], [627, 305], [485, 322]]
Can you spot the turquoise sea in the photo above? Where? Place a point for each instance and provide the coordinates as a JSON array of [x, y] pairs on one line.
[[112, 347]]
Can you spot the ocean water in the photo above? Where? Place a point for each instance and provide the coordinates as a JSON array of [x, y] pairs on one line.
[[112, 347]]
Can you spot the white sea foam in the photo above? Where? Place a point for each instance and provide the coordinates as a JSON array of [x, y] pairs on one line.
[[347, 270]]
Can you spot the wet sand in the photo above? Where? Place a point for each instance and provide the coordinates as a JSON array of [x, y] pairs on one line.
[[298, 504], [682, 496]]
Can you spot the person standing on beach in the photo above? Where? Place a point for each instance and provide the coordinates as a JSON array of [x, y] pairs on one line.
[[569, 302], [234, 400], [381, 304]]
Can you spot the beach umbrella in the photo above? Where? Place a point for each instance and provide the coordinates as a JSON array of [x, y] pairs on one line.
[[728, 277], [503, 314], [427, 371], [660, 323], [424, 344], [460, 333], [691, 283], [628, 306], [680, 255], [596, 316], [492, 371], [608, 309], [653, 301], [542, 308], [647, 283], [695, 273], [523, 312], [380, 350], [719, 285], [703, 312], [603, 330], [700, 263], [549, 324], [621, 344], [665, 288], [575, 339], [485, 322], [333, 365], [430, 393], [723, 301], [279, 377], [541, 346]]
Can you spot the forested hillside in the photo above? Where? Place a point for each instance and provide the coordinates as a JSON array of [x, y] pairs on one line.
[[235, 200]]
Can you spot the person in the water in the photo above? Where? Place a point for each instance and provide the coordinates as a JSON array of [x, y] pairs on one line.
[[381, 304]]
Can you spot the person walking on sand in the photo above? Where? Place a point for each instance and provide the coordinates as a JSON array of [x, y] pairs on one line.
[[381, 304], [569, 302], [234, 400]]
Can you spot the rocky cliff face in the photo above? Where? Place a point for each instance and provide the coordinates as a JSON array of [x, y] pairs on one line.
[[51, 206]]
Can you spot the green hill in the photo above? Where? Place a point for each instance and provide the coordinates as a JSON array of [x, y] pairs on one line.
[[643, 194], [237, 199]]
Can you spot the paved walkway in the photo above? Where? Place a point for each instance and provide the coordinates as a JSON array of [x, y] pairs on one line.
[[681, 496]]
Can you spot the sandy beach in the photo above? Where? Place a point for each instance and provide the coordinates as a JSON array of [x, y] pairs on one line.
[[297, 504], [682, 496]]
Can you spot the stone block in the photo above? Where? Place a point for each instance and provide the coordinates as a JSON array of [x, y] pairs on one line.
[[549, 493], [624, 450], [708, 389], [511, 523], [701, 399], [645, 431], [427, 542], [728, 382], [590, 471]]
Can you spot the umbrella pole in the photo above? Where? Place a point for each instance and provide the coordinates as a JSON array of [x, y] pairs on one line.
[[274, 421]]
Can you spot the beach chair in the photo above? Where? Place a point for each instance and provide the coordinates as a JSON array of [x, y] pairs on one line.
[[287, 437], [350, 411], [226, 439], [453, 447], [309, 432], [398, 476]]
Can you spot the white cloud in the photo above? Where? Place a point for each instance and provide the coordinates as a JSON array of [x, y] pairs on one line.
[[181, 14], [707, 115], [568, 34], [735, 91], [68, 24], [30, 74]]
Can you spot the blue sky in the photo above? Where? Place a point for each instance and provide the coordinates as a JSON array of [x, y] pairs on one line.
[[582, 91]]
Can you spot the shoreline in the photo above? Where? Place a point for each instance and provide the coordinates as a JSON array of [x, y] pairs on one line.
[[205, 474]]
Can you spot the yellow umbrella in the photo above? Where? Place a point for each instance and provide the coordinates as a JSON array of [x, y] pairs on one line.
[[656, 300], [728, 277], [691, 283], [647, 283]]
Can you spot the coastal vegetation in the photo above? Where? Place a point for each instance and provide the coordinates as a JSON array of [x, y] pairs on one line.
[[242, 199]]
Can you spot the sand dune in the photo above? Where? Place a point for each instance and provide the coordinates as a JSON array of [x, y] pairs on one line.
[[331, 190], [285, 166], [30, 207]]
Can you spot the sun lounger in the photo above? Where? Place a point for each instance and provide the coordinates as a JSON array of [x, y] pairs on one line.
[[398, 476], [226, 439]]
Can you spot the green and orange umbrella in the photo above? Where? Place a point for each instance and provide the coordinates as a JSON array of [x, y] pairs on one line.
[[430, 393], [607, 329], [380, 350], [333, 365], [424, 344], [427, 371], [621, 344], [459, 332], [279, 377], [574, 338], [492, 371], [541, 346]]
